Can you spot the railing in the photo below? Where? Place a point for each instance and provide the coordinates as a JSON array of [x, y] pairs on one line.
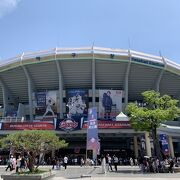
[[12, 119], [173, 64], [88, 50]]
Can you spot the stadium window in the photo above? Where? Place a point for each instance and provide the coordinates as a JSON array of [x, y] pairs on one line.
[[38, 58], [122, 100], [112, 56], [97, 99], [64, 100], [73, 54]]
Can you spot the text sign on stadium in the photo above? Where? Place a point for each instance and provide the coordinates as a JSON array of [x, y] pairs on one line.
[[28, 126], [111, 125]]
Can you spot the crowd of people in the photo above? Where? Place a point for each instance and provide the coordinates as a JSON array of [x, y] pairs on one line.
[[146, 164], [19, 164], [154, 165], [107, 162]]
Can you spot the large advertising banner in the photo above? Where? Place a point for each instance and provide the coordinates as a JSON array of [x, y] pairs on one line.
[[92, 131], [164, 144], [110, 103], [77, 102], [45, 104], [28, 126]]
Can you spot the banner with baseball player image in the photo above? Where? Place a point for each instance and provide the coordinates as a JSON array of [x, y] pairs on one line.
[[77, 102], [45, 104], [110, 104], [92, 131], [164, 144]]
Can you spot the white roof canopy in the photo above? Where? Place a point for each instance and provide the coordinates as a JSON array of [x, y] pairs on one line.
[[122, 117]]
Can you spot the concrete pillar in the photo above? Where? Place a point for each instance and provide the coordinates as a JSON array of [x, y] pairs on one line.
[[126, 81], [5, 100], [93, 80], [135, 147], [30, 100], [171, 148], [6, 95], [60, 91], [30, 91], [158, 79], [148, 144]]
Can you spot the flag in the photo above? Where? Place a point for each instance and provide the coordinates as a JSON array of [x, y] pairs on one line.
[[164, 144], [92, 131]]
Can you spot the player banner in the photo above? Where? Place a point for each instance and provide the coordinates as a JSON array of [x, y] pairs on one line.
[[77, 102], [164, 144], [92, 131], [45, 104], [110, 103]]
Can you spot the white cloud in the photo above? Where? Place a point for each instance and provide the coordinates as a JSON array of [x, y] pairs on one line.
[[7, 6]]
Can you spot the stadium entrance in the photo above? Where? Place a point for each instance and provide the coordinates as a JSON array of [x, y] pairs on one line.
[[120, 145]]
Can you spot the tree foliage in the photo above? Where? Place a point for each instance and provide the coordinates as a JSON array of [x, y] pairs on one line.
[[32, 143], [154, 110]]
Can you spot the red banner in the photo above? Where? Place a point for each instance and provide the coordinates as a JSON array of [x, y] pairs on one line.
[[112, 125], [28, 126]]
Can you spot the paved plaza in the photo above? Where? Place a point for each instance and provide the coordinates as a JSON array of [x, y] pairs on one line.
[[123, 173]]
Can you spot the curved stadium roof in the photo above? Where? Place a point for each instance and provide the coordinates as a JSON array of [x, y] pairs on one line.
[[111, 66]]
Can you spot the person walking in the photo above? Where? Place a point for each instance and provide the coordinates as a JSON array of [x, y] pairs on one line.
[[82, 161], [54, 163], [103, 164], [171, 165], [18, 164], [65, 162], [115, 162], [10, 164], [109, 160]]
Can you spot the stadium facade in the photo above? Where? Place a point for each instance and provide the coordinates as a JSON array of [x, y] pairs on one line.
[[53, 90]]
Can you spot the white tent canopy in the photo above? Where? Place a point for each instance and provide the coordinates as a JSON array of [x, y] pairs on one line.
[[122, 117]]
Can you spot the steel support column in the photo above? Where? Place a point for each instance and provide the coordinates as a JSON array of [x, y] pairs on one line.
[[60, 78]]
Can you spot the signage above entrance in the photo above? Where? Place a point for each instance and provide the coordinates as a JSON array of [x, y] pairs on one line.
[[112, 125]]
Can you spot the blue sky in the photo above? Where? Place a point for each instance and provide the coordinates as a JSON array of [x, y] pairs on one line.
[[31, 25]]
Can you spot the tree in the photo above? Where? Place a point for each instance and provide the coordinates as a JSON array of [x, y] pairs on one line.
[[32, 143], [156, 109]]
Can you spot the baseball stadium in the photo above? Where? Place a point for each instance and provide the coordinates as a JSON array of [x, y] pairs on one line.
[[53, 89]]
